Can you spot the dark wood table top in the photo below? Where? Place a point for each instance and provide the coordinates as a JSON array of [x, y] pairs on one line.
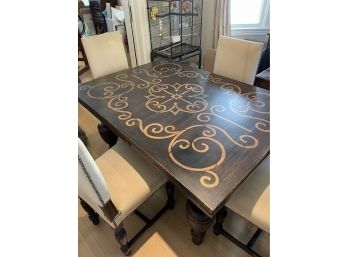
[[206, 132]]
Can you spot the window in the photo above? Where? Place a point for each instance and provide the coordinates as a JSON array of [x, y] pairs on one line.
[[250, 16]]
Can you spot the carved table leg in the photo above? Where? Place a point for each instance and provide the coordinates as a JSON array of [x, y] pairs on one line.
[[170, 193], [121, 237], [107, 135], [220, 217], [198, 221], [92, 215]]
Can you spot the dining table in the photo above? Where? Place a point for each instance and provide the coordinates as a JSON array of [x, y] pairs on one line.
[[205, 132]]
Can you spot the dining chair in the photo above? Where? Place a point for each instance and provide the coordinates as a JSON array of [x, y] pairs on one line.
[[105, 53], [115, 185], [83, 58], [237, 59], [251, 200]]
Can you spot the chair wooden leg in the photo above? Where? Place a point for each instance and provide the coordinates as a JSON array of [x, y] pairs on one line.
[[92, 215], [170, 193], [121, 237], [219, 230], [220, 217], [254, 238]]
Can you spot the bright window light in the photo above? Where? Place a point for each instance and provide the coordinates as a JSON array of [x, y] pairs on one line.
[[246, 11]]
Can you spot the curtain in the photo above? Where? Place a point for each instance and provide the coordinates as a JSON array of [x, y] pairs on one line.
[[222, 22]]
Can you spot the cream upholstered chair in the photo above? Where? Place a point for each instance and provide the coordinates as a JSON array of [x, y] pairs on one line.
[[115, 185], [251, 200], [237, 59], [105, 53]]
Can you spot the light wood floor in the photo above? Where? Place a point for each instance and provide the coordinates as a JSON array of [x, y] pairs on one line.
[[172, 228]]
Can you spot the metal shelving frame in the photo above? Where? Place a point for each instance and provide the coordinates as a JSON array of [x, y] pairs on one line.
[[170, 24]]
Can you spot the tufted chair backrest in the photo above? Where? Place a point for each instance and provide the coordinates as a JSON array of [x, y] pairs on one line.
[[92, 186]]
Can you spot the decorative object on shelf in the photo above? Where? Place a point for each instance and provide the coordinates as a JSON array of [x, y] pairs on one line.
[[187, 6], [154, 12], [175, 28]]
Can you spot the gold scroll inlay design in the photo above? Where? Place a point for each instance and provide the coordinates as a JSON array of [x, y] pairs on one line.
[[176, 98], [196, 140]]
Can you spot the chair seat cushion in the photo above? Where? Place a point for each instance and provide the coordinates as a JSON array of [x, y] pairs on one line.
[[129, 177], [251, 200]]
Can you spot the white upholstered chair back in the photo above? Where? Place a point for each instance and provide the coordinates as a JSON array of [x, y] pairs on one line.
[[237, 59], [105, 53], [251, 199], [91, 184]]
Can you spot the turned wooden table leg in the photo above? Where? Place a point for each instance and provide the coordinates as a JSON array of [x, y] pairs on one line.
[[199, 222], [220, 217], [92, 215], [121, 237], [170, 193], [107, 135]]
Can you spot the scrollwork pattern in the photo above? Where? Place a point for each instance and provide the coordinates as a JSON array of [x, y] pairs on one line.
[[229, 88], [145, 84], [244, 107], [165, 69], [153, 130], [255, 104], [196, 140], [176, 98], [191, 74], [199, 145]]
